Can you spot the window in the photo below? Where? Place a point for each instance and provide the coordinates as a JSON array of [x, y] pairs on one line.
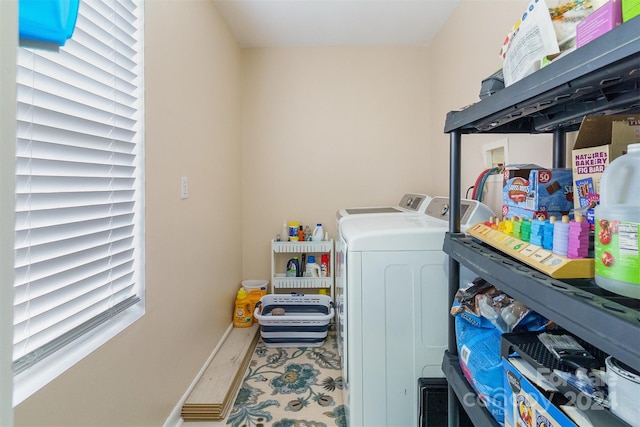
[[79, 245]]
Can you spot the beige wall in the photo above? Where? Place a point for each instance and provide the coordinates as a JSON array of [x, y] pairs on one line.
[[193, 246], [326, 128]]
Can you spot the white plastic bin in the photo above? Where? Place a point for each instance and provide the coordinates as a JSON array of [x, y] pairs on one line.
[[305, 322]]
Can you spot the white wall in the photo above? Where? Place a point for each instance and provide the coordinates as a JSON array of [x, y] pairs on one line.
[[193, 246]]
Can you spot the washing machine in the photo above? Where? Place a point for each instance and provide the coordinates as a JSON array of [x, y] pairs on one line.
[[409, 203], [392, 303]]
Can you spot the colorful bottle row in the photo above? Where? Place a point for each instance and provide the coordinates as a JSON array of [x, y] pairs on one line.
[[308, 268], [294, 232], [568, 238]]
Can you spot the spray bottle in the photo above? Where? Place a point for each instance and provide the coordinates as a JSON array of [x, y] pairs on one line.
[[324, 265]]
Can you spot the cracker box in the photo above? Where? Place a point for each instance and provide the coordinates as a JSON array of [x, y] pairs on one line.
[[533, 400], [534, 188], [528, 406], [601, 139]]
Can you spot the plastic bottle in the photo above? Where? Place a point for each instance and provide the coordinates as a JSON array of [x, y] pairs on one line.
[[617, 218], [301, 234], [242, 315], [312, 269], [318, 233], [293, 267], [284, 237], [294, 227], [324, 265], [255, 290], [307, 234]]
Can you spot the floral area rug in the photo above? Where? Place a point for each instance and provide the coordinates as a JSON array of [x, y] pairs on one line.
[[291, 387]]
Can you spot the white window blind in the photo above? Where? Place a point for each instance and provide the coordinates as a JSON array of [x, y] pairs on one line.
[[79, 192]]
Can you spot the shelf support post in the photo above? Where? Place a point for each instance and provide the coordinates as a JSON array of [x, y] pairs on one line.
[[559, 148], [455, 149]]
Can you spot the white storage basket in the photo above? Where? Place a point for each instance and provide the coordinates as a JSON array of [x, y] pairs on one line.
[[304, 324]]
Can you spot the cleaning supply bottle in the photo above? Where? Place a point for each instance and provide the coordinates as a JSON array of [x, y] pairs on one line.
[[301, 234], [294, 227], [312, 269], [307, 234], [284, 236], [318, 233], [293, 267], [617, 220], [242, 315], [324, 265]]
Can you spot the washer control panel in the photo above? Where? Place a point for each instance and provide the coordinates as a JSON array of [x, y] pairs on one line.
[[471, 211]]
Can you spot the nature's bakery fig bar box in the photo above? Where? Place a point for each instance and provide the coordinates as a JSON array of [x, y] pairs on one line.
[[600, 140]]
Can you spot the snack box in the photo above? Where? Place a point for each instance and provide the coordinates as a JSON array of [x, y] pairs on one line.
[[601, 139], [630, 9], [604, 19], [527, 405], [534, 188], [533, 400]]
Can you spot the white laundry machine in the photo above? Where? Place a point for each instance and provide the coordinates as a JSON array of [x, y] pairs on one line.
[[392, 302], [409, 203]]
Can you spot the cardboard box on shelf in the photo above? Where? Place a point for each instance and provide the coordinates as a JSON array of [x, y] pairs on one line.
[[630, 9], [601, 139], [532, 399], [534, 188], [604, 19], [527, 405]]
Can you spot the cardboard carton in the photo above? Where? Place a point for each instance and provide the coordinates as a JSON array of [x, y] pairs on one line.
[[527, 405], [534, 188], [601, 139], [533, 400], [604, 19]]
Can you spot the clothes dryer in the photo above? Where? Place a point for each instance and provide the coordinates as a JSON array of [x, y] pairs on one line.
[[409, 203], [392, 308]]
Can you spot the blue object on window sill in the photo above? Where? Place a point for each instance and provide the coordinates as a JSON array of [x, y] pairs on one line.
[[51, 21]]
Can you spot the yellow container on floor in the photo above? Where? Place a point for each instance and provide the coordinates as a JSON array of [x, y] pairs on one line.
[[243, 311], [255, 290]]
